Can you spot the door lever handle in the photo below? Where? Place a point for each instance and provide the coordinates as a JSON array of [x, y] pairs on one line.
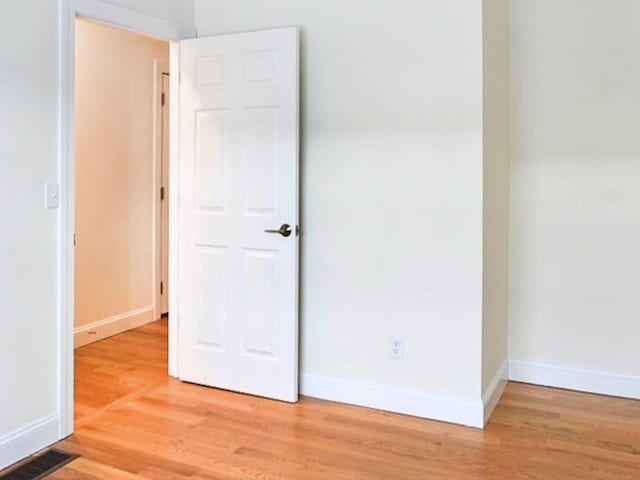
[[284, 230]]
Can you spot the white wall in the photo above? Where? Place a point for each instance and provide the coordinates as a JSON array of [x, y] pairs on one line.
[[576, 197], [392, 180], [496, 192], [391, 189], [28, 245], [117, 154]]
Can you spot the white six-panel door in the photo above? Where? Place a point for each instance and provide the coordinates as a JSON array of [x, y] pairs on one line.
[[238, 283]]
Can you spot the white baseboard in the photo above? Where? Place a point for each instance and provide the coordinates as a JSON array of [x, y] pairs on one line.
[[108, 327], [28, 440], [494, 391], [590, 381], [445, 409]]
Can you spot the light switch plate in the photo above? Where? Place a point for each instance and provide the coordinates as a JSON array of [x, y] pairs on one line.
[[52, 195]]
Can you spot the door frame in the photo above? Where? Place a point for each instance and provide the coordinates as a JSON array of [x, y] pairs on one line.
[[162, 201], [120, 17]]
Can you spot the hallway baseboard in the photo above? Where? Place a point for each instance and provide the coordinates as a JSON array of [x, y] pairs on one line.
[[108, 327]]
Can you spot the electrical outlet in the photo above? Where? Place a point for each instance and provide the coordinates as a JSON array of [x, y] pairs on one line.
[[396, 348]]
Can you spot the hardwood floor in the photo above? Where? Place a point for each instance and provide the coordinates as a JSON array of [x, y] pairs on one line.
[[135, 422], [114, 370]]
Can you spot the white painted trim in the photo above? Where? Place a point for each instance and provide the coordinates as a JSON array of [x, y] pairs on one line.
[[174, 221], [104, 11], [114, 325], [590, 381], [446, 409], [27, 440], [66, 253], [156, 181], [123, 17], [494, 391]]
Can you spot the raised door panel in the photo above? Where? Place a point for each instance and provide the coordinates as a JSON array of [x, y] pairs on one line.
[[259, 303], [261, 160], [210, 290]]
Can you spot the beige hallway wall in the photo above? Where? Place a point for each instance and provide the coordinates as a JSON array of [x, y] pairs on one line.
[[117, 128]]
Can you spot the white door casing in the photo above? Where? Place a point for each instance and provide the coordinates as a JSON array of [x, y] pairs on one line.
[[164, 197], [238, 285]]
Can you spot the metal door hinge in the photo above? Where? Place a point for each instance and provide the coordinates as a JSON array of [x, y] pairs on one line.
[[161, 288], [163, 99], [161, 193], [297, 230], [74, 239]]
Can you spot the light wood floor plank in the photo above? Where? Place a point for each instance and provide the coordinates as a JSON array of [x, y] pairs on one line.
[[133, 422]]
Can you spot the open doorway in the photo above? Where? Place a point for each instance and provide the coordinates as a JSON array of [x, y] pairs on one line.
[[263, 69], [121, 214]]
